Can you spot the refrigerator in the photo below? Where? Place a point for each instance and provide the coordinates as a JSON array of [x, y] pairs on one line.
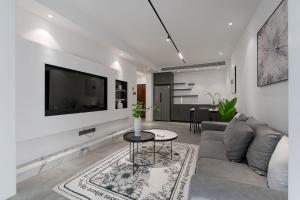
[[162, 99]]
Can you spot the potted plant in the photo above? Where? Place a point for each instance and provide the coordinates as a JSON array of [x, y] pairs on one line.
[[137, 112], [227, 109], [214, 97]]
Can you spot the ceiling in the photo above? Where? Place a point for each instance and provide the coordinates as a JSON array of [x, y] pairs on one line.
[[199, 27]]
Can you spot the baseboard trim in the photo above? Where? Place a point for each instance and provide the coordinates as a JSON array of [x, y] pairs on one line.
[[36, 167]]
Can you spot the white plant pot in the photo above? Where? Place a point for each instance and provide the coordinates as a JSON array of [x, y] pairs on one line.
[[137, 126]]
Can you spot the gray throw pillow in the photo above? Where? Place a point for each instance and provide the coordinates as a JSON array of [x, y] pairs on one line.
[[241, 117], [278, 166], [254, 123], [237, 137], [261, 149]]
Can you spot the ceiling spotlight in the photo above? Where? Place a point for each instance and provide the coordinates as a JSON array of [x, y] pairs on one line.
[[50, 16], [221, 53], [168, 39], [230, 24], [180, 56]]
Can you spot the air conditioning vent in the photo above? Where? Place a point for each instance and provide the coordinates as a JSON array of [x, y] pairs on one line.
[[198, 66]]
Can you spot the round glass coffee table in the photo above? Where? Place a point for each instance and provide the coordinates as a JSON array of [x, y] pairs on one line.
[[133, 151], [162, 136]]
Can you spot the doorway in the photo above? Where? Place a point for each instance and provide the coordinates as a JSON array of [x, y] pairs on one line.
[[141, 96]]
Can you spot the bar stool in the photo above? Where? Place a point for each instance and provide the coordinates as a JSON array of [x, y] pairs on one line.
[[192, 118], [200, 115]]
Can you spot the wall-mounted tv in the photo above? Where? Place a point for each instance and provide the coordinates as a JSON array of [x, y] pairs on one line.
[[68, 91]]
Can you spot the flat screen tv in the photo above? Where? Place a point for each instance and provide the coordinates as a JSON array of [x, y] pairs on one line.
[[68, 91]]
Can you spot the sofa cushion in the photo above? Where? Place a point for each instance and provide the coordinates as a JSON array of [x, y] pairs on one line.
[[241, 117], [237, 137], [278, 166], [213, 126], [212, 149], [261, 149], [232, 171], [254, 123], [204, 187], [212, 135]]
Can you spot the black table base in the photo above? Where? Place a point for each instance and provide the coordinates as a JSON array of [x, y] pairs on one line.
[[169, 155], [146, 137], [133, 151]]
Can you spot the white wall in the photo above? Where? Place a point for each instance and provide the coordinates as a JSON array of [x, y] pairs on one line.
[[141, 78], [7, 100], [294, 96], [205, 80], [149, 96], [39, 42], [147, 78], [269, 103]]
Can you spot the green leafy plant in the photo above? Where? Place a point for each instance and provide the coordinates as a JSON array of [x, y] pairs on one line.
[[227, 109], [139, 108]]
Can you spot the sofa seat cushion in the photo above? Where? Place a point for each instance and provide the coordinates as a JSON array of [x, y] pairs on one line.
[[212, 149], [204, 187], [232, 171], [212, 135]]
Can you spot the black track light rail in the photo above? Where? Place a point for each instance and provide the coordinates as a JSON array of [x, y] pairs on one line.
[[162, 23]]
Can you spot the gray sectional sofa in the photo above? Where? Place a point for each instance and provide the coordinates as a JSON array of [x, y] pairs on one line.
[[217, 178]]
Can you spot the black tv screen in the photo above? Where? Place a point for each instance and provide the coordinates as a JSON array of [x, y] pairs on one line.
[[68, 91]]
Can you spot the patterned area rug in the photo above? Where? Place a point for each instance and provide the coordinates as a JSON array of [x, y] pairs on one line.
[[113, 178]]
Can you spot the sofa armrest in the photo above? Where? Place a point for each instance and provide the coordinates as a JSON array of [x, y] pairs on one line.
[[204, 187], [213, 126]]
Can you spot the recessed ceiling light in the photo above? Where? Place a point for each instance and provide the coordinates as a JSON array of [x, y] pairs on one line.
[[50, 16], [178, 71], [230, 24], [168, 39], [220, 53]]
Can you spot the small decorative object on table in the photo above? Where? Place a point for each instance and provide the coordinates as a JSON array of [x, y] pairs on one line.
[[137, 126], [227, 109], [137, 112], [214, 97]]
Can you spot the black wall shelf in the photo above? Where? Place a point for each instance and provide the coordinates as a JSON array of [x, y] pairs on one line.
[[184, 84], [179, 96], [179, 83], [121, 94]]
